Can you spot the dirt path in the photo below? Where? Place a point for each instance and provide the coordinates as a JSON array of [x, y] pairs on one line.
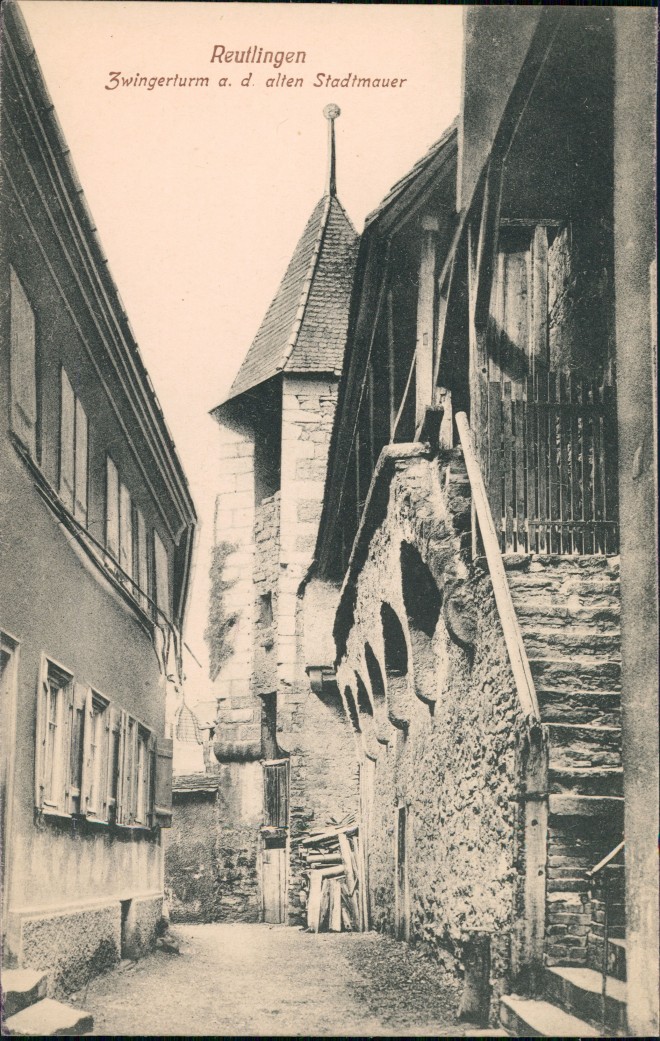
[[256, 980]]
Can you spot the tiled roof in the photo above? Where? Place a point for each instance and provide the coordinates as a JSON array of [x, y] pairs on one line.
[[399, 188], [304, 329]]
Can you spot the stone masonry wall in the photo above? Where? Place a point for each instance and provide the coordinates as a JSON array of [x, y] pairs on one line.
[[234, 523], [451, 758], [312, 727]]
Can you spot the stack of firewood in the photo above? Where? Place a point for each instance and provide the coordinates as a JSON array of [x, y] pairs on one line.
[[334, 898]]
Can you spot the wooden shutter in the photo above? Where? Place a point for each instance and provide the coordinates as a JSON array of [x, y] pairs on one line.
[[151, 788], [162, 582], [87, 767], [112, 508], [67, 440], [163, 783], [81, 465], [121, 808], [113, 724], [125, 530], [40, 736], [141, 565], [23, 366]]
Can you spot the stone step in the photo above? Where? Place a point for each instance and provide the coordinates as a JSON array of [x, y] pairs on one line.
[[542, 563], [567, 673], [601, 781], [49, 1018], [528, 1017], [580, 991], [608, 808], [575, 746], [582, 707], [534, 612], [558, 589], [542, 642], [21, 988]]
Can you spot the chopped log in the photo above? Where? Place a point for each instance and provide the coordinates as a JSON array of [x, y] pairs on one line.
[[325, 858]]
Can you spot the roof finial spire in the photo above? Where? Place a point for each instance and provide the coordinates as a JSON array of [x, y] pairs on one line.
[[331, 112]]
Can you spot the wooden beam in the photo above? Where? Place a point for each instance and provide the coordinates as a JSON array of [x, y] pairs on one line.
[[425, 319]]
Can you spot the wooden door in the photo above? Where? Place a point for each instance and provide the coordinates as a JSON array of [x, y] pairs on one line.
[[274, 884]]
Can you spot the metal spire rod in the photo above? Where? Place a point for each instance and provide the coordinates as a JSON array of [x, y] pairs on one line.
[[331, 112]]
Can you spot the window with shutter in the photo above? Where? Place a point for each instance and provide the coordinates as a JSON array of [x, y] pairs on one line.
[[163, 784], [81, 465], [67, 440], [22, 367], [55, 726], [112, 508], [125, 530], [141, 557], [162, 577], [77, 734], [94, 802]]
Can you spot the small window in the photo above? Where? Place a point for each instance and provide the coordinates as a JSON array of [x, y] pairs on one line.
[[73, 451], [23, 366]]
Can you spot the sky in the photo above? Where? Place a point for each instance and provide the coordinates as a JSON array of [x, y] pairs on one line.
[[200, 193]]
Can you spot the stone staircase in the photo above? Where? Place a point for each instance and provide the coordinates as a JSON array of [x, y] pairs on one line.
[[27, 1012], [568, 610]]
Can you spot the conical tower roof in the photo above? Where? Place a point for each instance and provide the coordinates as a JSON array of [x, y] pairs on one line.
[[304, 329]]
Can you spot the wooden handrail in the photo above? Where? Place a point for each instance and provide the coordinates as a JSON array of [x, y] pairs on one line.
[[512, 634], [606, 860]]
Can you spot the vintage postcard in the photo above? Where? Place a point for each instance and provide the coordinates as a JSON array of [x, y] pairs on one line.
[[328, 599]]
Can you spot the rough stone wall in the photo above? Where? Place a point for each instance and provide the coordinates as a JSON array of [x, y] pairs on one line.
[[266, 585], [190, 880], [234, 523], [453, 761], [71, 947]]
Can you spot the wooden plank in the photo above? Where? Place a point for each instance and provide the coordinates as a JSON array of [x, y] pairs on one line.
[[541, 397], [495, 455], [540, 299], [611, 465], [587, 487], [531, 461], [553, 467], [425, 320], [519, 437], [510, 625], [345, 848], [314, 901], [599, 466], [575, 464], [335, 905], [564, 472], [507, 466], [324, 910]]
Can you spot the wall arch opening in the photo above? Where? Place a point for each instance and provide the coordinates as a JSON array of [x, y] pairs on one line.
[[378, 693], [422, 600], [396, 667]]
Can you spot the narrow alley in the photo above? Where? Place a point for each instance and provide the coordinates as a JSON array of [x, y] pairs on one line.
[[273, 980]]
